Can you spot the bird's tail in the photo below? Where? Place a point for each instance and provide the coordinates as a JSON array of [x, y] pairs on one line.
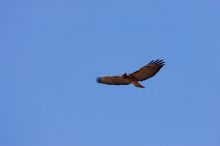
[[137, 84]]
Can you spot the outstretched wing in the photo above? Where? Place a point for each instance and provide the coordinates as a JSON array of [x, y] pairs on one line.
[[148, 70], [112, 80]]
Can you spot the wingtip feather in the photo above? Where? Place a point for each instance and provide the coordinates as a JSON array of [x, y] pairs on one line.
[[158, 61], [98, 79]]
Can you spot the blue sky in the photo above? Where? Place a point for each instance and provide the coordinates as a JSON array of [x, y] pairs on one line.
[[52, 52]]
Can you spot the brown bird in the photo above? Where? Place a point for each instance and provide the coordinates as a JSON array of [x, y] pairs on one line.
[[142, 74]]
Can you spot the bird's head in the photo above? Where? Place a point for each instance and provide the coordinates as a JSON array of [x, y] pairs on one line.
[[124, 75]]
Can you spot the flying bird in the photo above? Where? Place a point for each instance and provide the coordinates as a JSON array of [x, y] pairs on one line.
[[142, 74]]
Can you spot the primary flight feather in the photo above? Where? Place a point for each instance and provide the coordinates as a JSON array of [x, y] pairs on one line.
[[142, 74]]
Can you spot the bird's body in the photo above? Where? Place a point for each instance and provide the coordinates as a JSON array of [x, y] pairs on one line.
[[142, 74], [130, 78]]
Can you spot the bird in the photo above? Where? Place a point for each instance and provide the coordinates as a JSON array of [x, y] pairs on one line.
[[136, 77]]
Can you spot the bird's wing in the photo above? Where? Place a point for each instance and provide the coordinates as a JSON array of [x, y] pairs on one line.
[[112, 80], [148, 70]]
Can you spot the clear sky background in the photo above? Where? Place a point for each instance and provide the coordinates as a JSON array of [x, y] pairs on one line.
[[53, 50]]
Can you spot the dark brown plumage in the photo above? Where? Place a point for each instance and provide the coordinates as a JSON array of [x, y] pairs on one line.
[[142, 74]]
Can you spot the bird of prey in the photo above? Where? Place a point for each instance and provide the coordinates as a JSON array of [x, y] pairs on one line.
[[142, 74]]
